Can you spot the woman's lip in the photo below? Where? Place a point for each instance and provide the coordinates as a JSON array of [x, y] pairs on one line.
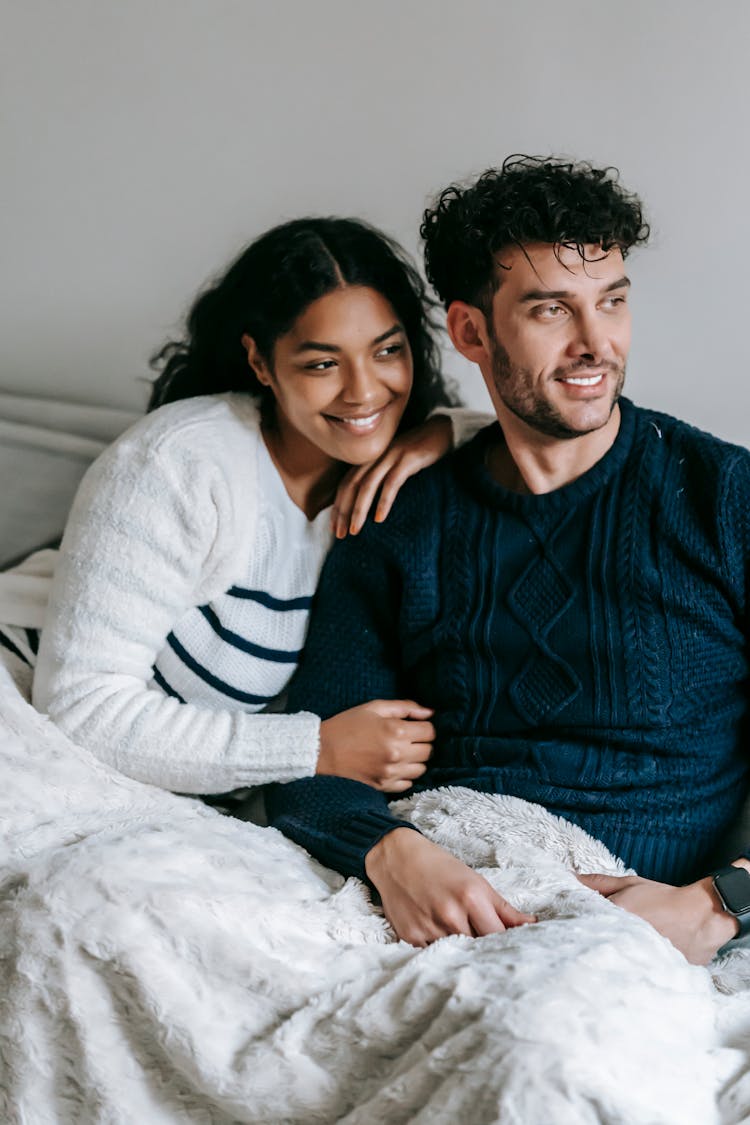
[[357, 423]]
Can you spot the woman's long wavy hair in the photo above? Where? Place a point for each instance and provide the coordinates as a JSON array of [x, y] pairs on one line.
[[267, 288]]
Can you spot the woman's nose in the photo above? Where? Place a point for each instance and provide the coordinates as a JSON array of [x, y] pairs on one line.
[[360, 384]]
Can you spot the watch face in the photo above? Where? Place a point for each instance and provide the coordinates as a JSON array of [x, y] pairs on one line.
[[733, 884]]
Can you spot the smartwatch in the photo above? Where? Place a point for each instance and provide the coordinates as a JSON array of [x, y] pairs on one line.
[[732, 885]]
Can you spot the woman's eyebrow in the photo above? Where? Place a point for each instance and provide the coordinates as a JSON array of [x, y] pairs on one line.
[[318, 346], [391, 332]]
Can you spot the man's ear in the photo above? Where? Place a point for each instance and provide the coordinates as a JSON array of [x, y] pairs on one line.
[[256, 361], [467, 328]]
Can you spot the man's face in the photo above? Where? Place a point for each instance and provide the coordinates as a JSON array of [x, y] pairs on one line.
[[559, 338]]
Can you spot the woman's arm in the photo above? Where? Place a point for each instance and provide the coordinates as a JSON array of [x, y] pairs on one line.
[[152, 532], [447, 428]]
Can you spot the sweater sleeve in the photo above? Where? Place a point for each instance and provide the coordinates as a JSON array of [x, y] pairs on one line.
[[352, 655], [465, 423], [735, 531], [145, 530]]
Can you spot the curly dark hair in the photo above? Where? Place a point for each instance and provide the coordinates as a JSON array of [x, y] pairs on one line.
[[270, 285], [528, 199]]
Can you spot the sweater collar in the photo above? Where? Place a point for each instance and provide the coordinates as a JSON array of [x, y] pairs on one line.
[[472, 468]]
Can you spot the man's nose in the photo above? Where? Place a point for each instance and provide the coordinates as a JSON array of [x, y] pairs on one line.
[[589, 337]]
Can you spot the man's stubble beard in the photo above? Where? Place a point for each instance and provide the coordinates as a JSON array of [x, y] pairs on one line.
[[515, 387]]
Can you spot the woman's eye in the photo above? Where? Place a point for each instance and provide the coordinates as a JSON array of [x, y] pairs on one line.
[[321, 365], [390, 349]]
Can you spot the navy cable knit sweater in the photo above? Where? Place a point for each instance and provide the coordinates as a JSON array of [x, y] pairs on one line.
[[586, 649]]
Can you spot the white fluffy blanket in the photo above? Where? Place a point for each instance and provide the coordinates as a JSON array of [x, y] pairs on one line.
[[161, 963]]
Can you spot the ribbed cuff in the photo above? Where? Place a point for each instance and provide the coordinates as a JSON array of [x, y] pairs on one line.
[[358, 836]]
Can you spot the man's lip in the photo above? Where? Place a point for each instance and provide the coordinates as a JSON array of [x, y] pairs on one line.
[[583, 374]]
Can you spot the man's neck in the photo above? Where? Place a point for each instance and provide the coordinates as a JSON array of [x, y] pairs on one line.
[[530, 462]]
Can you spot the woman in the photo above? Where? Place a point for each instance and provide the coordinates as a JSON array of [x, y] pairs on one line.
[[193, 549]]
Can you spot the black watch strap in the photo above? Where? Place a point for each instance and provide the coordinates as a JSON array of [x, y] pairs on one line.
[[732, 885]]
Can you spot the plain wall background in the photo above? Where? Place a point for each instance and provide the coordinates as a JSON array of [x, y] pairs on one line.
[[143, 143]]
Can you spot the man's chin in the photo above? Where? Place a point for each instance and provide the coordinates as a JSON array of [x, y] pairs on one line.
[[568, 425]]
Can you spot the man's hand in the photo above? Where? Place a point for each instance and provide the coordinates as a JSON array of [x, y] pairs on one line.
[[406, 455], [385, 743], [428, 893], [691, 917]]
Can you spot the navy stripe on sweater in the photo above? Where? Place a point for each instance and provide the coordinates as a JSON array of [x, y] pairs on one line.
[[165, 687], [6, 642], [282, 656], [267, 600], [214, 681]]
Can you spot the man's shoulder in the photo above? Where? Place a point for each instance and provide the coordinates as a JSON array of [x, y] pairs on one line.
[[672, 436], [425, 498]]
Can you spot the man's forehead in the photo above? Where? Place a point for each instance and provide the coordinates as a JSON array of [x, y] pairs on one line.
[[552, 264]]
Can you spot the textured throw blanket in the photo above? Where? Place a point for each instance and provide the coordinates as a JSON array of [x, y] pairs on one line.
[[161, 963]]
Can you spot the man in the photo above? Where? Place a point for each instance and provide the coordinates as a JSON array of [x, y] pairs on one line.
[[569, 592]]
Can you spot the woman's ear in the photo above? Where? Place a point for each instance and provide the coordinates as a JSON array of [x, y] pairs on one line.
[[256, 361], [467, 328]]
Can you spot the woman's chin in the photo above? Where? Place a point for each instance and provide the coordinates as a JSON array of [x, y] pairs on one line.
[[358, 447]]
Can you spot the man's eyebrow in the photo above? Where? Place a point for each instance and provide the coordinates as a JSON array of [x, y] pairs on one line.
[[319, 346], [566, 294]]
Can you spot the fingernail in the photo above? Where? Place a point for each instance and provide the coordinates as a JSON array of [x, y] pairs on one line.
[[353, 528]]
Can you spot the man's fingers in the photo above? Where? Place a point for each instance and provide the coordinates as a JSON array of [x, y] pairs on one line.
[[607, 885], [508, 913], [485, 919]]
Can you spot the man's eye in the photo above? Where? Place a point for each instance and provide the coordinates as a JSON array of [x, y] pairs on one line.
[[614, 302], [549, 312]]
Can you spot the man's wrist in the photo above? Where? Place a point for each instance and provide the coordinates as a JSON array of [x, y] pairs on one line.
[[732, 925], [381, 854], [721, 926]]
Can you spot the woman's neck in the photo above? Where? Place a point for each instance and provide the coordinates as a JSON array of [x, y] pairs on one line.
[[309, 475]]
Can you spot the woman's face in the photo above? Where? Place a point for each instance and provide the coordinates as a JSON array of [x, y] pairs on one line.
[[341, 377]]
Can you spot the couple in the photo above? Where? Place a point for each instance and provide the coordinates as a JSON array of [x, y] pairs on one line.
[[556, 611]]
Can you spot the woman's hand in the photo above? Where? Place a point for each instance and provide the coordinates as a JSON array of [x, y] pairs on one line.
[[385, 743], [407, 455], [427, 893]]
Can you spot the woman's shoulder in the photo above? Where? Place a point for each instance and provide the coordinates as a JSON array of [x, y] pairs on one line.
[[219, 423], [201, 449]]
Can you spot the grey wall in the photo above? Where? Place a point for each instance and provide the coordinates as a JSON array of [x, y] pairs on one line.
[[144, 142]]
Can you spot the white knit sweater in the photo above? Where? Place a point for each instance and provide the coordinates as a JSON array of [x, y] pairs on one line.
[[164, 521]]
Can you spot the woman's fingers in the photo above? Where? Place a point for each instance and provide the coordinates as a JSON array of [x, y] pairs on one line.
[[356, 494], [412, 732], [368, 489], [393, 482], [399, 709]]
